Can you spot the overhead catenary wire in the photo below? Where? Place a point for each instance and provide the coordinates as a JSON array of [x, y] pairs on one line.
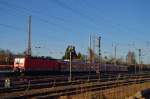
[[35, 14], [64, 5], [86, 16], [77, 12], [107, 19], [12, 27], [29, 10]]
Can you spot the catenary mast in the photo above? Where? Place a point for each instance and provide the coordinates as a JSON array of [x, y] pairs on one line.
[[29, 38]]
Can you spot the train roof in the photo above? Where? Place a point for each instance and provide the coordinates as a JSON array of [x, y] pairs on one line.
[[38, 57]]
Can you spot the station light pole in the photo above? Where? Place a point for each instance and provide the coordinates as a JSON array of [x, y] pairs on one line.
[[115, 54], [99, 47], [70, 77], [90, 58], [135, 68], [140, 62]]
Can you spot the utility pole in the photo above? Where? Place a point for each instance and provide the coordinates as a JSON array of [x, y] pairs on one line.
[[70, 52], [90, 57], [29, 38], [93, 48], [140, 62], [115, 54], [70, 77], [99, 47], [135, 67]]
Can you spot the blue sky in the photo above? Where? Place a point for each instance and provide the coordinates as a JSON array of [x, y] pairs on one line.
[[59, 23]]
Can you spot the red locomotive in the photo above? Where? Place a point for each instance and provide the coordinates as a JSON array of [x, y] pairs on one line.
[[36, 64]]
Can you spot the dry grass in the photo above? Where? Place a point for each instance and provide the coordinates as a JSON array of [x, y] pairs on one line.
[[115, 93]]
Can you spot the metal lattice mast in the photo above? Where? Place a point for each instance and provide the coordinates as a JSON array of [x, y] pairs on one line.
[[99, 47], [90, 59], [29, 38]]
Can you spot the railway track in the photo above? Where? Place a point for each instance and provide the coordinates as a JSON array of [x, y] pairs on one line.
[[70, 89], [49, 87], [28, 80]]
